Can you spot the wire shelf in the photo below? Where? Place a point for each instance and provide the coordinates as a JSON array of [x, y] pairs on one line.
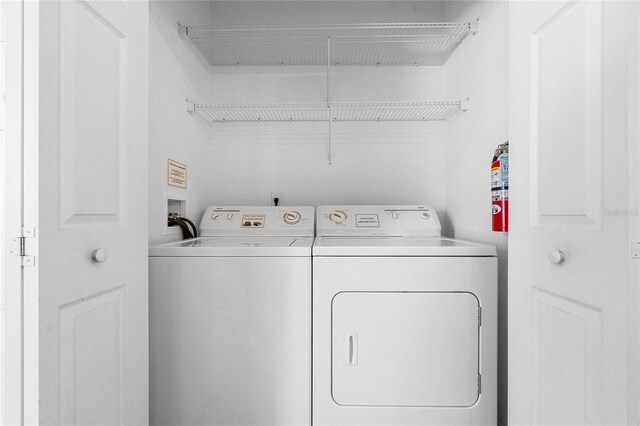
[[351, 44], [334, 111]]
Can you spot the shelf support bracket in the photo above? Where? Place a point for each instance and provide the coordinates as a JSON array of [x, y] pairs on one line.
[[190, 106], [473, 28], [464, 104], [183, 30], [329, 92]]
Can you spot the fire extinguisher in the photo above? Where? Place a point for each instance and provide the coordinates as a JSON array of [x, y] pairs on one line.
[[500, 188]]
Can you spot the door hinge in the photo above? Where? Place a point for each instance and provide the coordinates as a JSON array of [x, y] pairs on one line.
[[635, 249], [18, 247], [479, 384]]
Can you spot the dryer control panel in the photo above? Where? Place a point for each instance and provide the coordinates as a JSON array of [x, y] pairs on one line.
[[257, 220], [393, 220]]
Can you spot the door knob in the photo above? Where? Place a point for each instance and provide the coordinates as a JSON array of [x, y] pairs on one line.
[[556, 256], [99, 255]]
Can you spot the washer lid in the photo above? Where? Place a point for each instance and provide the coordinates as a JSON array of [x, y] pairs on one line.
[[235, 247], [399, 246]]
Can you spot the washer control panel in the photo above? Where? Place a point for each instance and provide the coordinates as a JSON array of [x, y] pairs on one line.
[[257, 220], [393, 220]]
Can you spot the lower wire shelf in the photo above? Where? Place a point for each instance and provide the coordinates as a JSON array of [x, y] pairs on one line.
[[334, 111]]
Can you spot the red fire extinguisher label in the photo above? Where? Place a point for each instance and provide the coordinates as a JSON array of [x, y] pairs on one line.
[[500, 193], [495, 175]]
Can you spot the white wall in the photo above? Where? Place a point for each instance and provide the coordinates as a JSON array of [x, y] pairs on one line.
[[478, 70], [372, 162], [177, 72]]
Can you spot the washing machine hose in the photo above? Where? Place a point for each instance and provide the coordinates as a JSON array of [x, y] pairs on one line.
[[186, 233], [193, 226]]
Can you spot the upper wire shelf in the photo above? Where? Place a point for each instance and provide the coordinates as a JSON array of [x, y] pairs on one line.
[[334, 111], [351, 44]]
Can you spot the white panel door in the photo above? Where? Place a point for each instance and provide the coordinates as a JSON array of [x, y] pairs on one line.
[[86, 323], [569, 304], [411, 349], [10, 212]]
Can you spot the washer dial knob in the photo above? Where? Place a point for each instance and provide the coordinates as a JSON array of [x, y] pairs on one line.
[[215, 216], [394, 215], [337, 216], [291, 217], [426, 215]]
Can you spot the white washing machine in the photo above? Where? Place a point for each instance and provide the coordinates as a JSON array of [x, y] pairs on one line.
[[404, 320], [230, 320]]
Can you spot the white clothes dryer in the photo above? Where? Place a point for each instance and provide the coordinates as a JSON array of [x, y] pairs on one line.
[[230, 320], [404, 320]]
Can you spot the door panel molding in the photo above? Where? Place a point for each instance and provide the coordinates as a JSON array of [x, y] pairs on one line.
[[565, 388], [92, 340], [93, 118], [566, 132]]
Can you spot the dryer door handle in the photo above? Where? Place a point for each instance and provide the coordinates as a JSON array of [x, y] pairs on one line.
[[352, 350]]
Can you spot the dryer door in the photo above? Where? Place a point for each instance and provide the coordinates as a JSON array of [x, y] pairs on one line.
[[405, 349]]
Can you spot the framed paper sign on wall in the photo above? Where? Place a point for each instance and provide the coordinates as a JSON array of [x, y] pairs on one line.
[[177, 174]]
